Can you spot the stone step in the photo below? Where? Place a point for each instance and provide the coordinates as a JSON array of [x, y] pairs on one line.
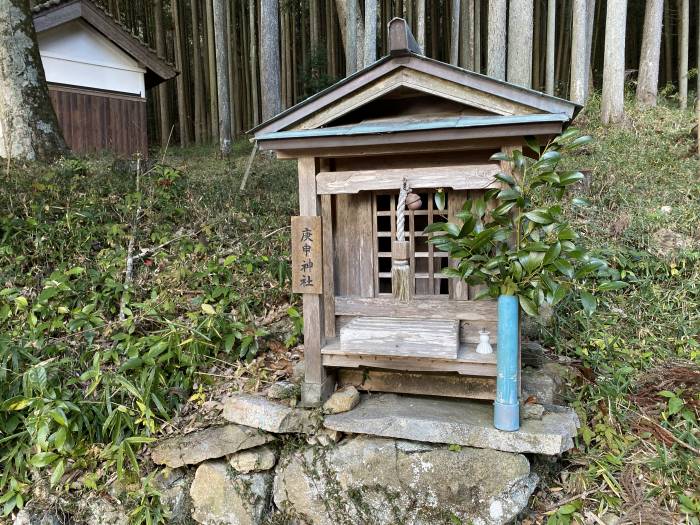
[[456, 421]]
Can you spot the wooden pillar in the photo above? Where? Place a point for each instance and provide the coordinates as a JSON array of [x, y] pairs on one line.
[[317, 384]]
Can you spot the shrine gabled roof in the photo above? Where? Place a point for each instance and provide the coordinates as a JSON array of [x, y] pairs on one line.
[[408, 68], [52, 13]]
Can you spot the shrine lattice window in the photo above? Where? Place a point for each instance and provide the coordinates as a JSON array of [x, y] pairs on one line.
[[427, 262]]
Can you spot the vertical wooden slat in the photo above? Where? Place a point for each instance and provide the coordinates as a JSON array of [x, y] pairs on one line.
[[314, 330], [375, 236], [93, 122], [328, 257], [431, 262], [393, 217]]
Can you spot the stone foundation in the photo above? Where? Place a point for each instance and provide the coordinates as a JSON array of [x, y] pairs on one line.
[[391, 459]]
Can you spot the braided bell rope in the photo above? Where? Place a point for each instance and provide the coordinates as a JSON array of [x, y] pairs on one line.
[[401, 212]]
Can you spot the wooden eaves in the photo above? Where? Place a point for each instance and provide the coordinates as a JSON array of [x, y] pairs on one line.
[[411, 133]]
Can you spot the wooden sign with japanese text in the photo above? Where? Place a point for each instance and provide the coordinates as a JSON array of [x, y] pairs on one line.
[[307, 263]]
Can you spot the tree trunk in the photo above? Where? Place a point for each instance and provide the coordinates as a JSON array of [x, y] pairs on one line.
[[197, 66], [222, 86], [590, 21], [648, 79], [420, 25], [370, 54], [163, 95], [29, 129], [234, 77], [314, 25], [566, 48], [330, 40], [213, 70], [496, 40], [577, 85], [537, 47], [246, 64], [668, 44], [352, 34], [434, 31], [270, 58], [359, 36], [683, 54], [253, 62], [466, 47], [351, 37], [520, 43], [454, 31], [477, 36], [314, 34], [612, 101], [180, 81]]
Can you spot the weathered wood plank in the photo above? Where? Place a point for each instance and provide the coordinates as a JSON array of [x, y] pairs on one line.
[[424, 148], [427, 83], [353, 245], [434, 384], [92, 121], [458, 177], [328, 257], [385, 336], [314, 326], [456, 135], [467, 363], [307, 257], [414, 160], [475, 311]]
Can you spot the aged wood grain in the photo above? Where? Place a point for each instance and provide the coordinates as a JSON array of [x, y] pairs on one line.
[[314, 327], [467, 362], [416, 139], [307, 262], [423, 148], [353, 245], [459, 177], [433, 384], [386, 336], [328, 257], [476, 311], [92, 122]]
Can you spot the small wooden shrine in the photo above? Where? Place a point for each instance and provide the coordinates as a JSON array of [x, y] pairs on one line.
[[407, 123]]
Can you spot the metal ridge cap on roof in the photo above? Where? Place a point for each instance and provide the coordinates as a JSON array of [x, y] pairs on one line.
[[398, 127], [47, 5]]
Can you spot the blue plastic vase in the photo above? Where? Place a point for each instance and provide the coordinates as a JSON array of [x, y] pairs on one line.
[[506, 408]]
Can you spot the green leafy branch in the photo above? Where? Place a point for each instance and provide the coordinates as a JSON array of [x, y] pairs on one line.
[[511, 246]]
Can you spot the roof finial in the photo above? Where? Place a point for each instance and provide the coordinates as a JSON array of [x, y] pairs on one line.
[[401, 40]]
